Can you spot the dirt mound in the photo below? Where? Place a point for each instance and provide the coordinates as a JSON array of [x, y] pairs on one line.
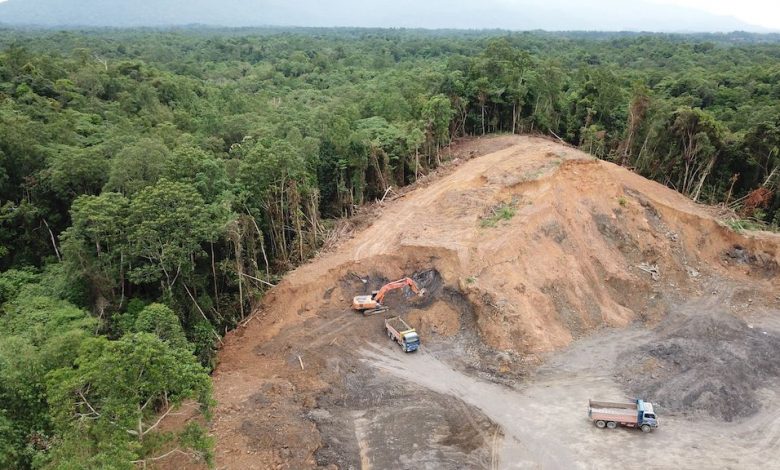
[[710, 362], [763, 264], [520, 251], [440, 319], [546, 242]]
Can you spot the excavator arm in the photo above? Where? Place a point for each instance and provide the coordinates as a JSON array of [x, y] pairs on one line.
[[370, 304], [399, 284]]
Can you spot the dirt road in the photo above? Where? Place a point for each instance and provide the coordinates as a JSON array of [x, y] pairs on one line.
[[545, 424]]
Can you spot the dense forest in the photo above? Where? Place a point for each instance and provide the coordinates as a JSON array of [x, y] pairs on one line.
[[153, 184]]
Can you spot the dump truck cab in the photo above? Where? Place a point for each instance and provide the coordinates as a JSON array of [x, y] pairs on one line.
[[646, 414], [411, 341]]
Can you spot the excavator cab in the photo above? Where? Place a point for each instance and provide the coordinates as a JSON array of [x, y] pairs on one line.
[[367, 304]]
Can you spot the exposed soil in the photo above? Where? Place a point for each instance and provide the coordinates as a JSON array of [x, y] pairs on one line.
[[544, 418], [598, 273], [369, 421], [704, 360]]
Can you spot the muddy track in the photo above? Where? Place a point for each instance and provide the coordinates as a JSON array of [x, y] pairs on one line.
[[544, 420]]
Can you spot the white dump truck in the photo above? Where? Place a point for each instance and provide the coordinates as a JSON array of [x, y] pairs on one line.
[[637, 414], [403, 334]]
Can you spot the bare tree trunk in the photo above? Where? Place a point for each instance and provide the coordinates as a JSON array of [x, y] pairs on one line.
[[626, 154], [261, 236], [378, 168], [768, 181], [192, 297], [282, 218], [704, 175], [685, 179], [239, 269], [416, 163], [53, 240], [689, 155], [313, 218], [731, 188], [122, 277], [214, 275], [265, 256], [641, 152], [296, 207], [483, 118]]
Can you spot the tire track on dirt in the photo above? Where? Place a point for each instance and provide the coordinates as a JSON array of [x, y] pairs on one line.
[[495, 401]]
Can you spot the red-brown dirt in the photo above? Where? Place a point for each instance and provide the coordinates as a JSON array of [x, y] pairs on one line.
[[583, 245]]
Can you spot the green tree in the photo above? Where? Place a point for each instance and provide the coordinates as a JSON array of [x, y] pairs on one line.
[[197, 168], [37, 334], [74, 172], [167, 225], [137, 166], [279, 185], [698, 139], [163, 322], [108, 408], [95, 247], [437, 114]]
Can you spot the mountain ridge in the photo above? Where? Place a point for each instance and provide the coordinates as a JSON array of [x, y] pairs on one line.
[[555, 15]]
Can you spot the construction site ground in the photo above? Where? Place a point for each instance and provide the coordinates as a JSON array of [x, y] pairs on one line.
[[551, 278]]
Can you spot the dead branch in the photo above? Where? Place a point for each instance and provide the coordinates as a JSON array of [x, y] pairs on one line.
[[389, 188], [86, 402], [201, 311], [143, 462], [258, 280], [195, 302], [159, 420], [53, 240], [655, 274]]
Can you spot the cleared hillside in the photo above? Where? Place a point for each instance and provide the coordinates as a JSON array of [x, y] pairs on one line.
[[522, 252]]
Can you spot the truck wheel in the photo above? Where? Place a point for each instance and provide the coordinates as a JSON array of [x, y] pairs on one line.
[[600, 424], [611, 425], [645, 428]]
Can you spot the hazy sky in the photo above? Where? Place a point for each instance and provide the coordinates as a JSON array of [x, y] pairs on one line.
[[764, 13]]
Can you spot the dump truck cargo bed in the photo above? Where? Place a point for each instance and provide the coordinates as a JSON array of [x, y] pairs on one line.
[[612, 411], [397, 324], [403, 334], [637, 414]]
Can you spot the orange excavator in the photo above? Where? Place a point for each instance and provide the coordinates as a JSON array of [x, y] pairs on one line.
[[371, 304]]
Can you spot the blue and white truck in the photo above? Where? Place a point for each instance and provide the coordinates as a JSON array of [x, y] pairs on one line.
[[637, 414], [403, 334]]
